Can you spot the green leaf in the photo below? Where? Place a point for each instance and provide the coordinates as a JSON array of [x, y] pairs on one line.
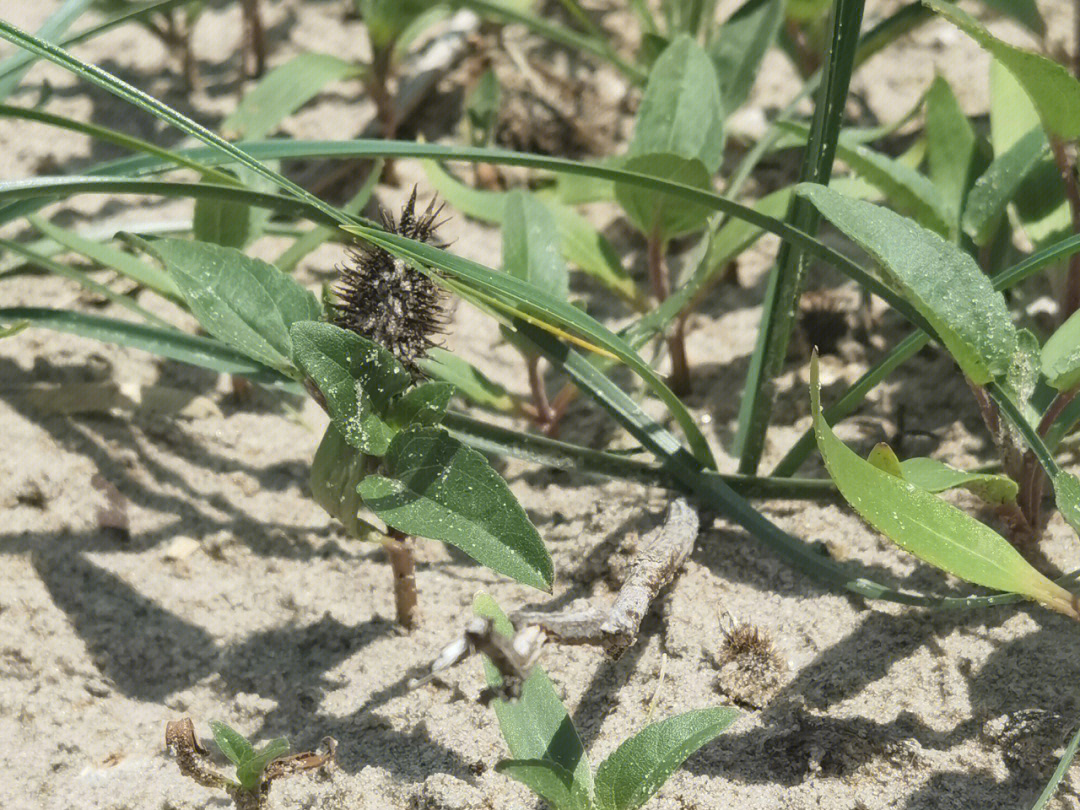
[[386, 20], [1061, 355], [952, 149], [637, 768], [108, 256], [249, 772], [358, 378], [482, 107], [436, 487], [1053, 90], [283, 91], [551, 782], [469, 381], [232, 744], [222, 222], [943, 283], [927, 526], [536, 726], [423, 406], [665, 215], [15, 66], [681, 113], [14, 329], [910, 192], [883, 457], [997, 186], [242, 301], [336, 472], [740, 45], [1025, 12], [171, 343], [934, 476], [528, 302], [530, 249]]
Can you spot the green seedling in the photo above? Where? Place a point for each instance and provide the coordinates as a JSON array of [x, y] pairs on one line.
[[256, 768], [547, 752]]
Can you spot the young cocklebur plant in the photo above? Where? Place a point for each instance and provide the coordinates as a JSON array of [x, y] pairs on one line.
[[385, 449], [548, 755]]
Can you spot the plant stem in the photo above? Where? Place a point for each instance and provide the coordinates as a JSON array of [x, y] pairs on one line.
[[1071, 300], [400, 553], [660, 276], [545, 416], [254, 46]]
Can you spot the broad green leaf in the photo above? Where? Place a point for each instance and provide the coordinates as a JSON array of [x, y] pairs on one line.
[[242, 301], [1067, 498], [386, 20], [952, 150], [232, 743], [358, 379], [469, 381], [934, 477], [909, 191], [637, 768], [665, 215], [740, 45], [942, 282], [530, 247], [283, 91], [436, 487], [1025, 12], [109, 256], [551, 782], [537, 726], [1061, 355], [248, 773], [927, 526], [423, 406], [998, 185], [681, 113], [222, 222], [336, 472], [1053, 90]]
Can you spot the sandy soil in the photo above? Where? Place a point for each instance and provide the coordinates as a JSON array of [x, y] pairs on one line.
[[232, 596]]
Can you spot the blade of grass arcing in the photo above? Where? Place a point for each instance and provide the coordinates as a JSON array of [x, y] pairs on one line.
[[20, 62], [146, 102], [785, 280], [928, 527], [66, 186], [117, 139], [14, 67], [1059, 773], [170, 342], [84, 281]]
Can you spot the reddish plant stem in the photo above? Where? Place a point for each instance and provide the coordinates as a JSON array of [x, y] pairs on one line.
[[545, 416], [660, 276], [399, 551], [1065, 166], [254, 49]]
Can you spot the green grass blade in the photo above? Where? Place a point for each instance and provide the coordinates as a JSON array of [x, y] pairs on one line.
[[14, 67], [170, 343], [785, 282], [1059, 772], [146, 102]]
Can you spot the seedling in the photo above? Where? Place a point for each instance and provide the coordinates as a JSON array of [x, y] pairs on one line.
[[548, 755], [256, 769]]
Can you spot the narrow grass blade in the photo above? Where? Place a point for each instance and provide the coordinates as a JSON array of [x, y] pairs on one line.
[[1059, 773], [785, 281]]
